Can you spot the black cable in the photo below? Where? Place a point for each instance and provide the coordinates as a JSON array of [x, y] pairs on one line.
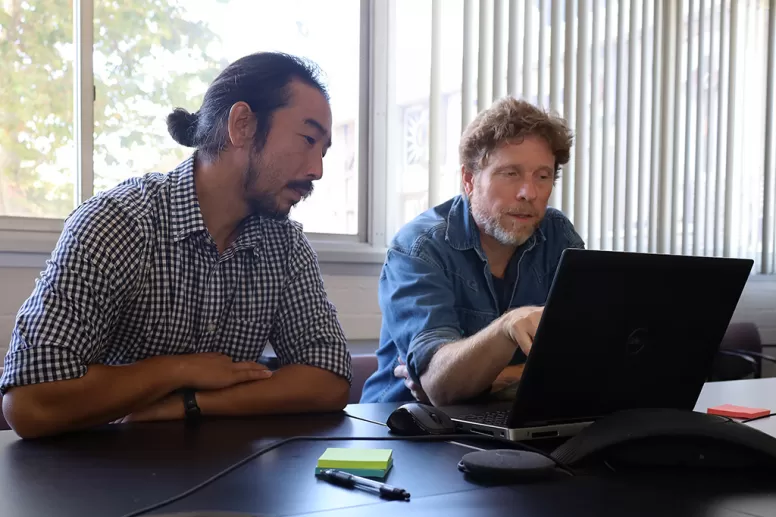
[[423, 438]]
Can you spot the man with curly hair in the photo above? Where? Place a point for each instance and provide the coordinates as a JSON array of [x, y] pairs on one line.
[[463, 285]]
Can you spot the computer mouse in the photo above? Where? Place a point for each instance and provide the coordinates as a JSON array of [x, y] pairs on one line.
[[414, 419]]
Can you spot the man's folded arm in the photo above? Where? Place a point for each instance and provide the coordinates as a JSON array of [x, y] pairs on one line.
[[62, 327], [315, 365], [418, 306]]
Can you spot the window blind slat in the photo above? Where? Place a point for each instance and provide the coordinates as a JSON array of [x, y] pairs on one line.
[[556, 80], [769, 191], [711, 137], [699, 231], [541, 91], [677, 187], [435, 123], [514, 52], [647, 65], [689, 127], [556, 57], [581, 184], [594, 172], [607, 169], [657, 112], [620, 134], [668, 89], [722, 99], [631, 172], [731, 129], [569, 80], [468, 68], [500, 42], [528, 51], [485, 56]]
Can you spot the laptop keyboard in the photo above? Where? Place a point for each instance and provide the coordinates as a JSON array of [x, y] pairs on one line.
[[494, 418]]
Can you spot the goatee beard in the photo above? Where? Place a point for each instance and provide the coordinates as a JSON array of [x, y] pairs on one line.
[[491, 225]]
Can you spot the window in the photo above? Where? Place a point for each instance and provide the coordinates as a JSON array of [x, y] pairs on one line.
[[667, 103], [412, 92], [149, 57], [178, 47], [37, 152]]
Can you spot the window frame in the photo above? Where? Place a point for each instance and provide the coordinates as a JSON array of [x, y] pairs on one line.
[[20, 236]]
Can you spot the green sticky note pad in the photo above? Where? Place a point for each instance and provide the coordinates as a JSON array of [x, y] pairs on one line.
[[364, 473], [361, 459]]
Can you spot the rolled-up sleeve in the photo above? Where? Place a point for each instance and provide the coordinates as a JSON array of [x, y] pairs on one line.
[[307, 330], [64, 324], [417, 303]]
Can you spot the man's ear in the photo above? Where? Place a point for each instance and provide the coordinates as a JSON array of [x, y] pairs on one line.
[[241, 125], [467, 179]]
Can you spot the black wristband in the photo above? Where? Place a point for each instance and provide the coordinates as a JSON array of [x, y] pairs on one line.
[[190, 405]]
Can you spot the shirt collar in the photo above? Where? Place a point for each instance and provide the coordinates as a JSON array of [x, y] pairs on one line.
[[463, 233], [187, 215]]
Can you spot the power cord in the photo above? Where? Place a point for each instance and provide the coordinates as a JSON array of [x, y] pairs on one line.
[[275, 445]]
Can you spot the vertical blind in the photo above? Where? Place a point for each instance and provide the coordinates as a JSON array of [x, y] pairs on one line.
[[671, 103]]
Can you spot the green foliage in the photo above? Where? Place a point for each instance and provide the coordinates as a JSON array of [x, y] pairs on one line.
[[134, 42]]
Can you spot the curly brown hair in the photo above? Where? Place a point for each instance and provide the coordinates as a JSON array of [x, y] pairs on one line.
[[510, 119]]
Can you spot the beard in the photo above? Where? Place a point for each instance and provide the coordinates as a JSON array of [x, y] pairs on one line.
[[491, 224], [264, 202]]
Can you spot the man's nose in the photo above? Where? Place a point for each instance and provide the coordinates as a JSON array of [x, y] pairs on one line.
[[527, 191], [315, 168]]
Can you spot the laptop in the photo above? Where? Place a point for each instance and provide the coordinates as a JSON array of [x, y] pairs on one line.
[[619, 331]]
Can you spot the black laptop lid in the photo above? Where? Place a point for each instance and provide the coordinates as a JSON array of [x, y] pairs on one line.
[[627, 330]]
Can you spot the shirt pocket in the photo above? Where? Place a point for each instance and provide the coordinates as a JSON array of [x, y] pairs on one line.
[[244, 340], [159, 338]]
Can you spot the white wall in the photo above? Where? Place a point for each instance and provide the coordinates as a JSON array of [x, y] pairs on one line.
[[355, 296]]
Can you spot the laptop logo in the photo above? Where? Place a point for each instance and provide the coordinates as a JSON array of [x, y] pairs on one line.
[[637, 341]]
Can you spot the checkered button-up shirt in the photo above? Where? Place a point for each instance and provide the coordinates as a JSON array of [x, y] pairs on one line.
[[136, 274]]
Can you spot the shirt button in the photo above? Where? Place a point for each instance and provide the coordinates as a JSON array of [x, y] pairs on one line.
[[211, 327]]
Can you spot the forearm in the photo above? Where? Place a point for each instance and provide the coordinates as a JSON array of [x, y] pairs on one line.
[[465, 368], [102, 395], [291, 389]]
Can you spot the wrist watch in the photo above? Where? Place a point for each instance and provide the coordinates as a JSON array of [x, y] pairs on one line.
[[190, 406]]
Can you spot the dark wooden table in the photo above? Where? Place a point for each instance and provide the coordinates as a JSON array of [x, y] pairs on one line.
[[117, 469]]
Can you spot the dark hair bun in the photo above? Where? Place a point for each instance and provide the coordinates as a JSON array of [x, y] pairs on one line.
[[182, 126]]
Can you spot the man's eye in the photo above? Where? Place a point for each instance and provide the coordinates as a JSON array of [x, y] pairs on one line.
[[310, 140]]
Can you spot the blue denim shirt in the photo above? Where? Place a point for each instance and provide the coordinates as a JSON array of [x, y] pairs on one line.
[[436, 287]]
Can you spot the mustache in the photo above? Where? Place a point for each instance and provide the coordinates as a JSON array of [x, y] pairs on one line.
[[305, 186]]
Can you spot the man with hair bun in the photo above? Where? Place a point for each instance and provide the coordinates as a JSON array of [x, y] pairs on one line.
[[463, 284], [163, 292]]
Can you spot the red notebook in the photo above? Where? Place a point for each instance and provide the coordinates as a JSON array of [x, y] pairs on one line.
[[738, 411]]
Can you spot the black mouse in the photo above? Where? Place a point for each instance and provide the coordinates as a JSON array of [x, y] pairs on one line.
[[414, 419]]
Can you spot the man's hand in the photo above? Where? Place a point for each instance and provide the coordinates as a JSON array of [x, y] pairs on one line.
[[213, 371], [401, 372], [519, 325], [508, 376]]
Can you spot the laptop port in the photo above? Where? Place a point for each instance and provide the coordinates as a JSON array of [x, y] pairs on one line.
[[482, 431], [544, 434]]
